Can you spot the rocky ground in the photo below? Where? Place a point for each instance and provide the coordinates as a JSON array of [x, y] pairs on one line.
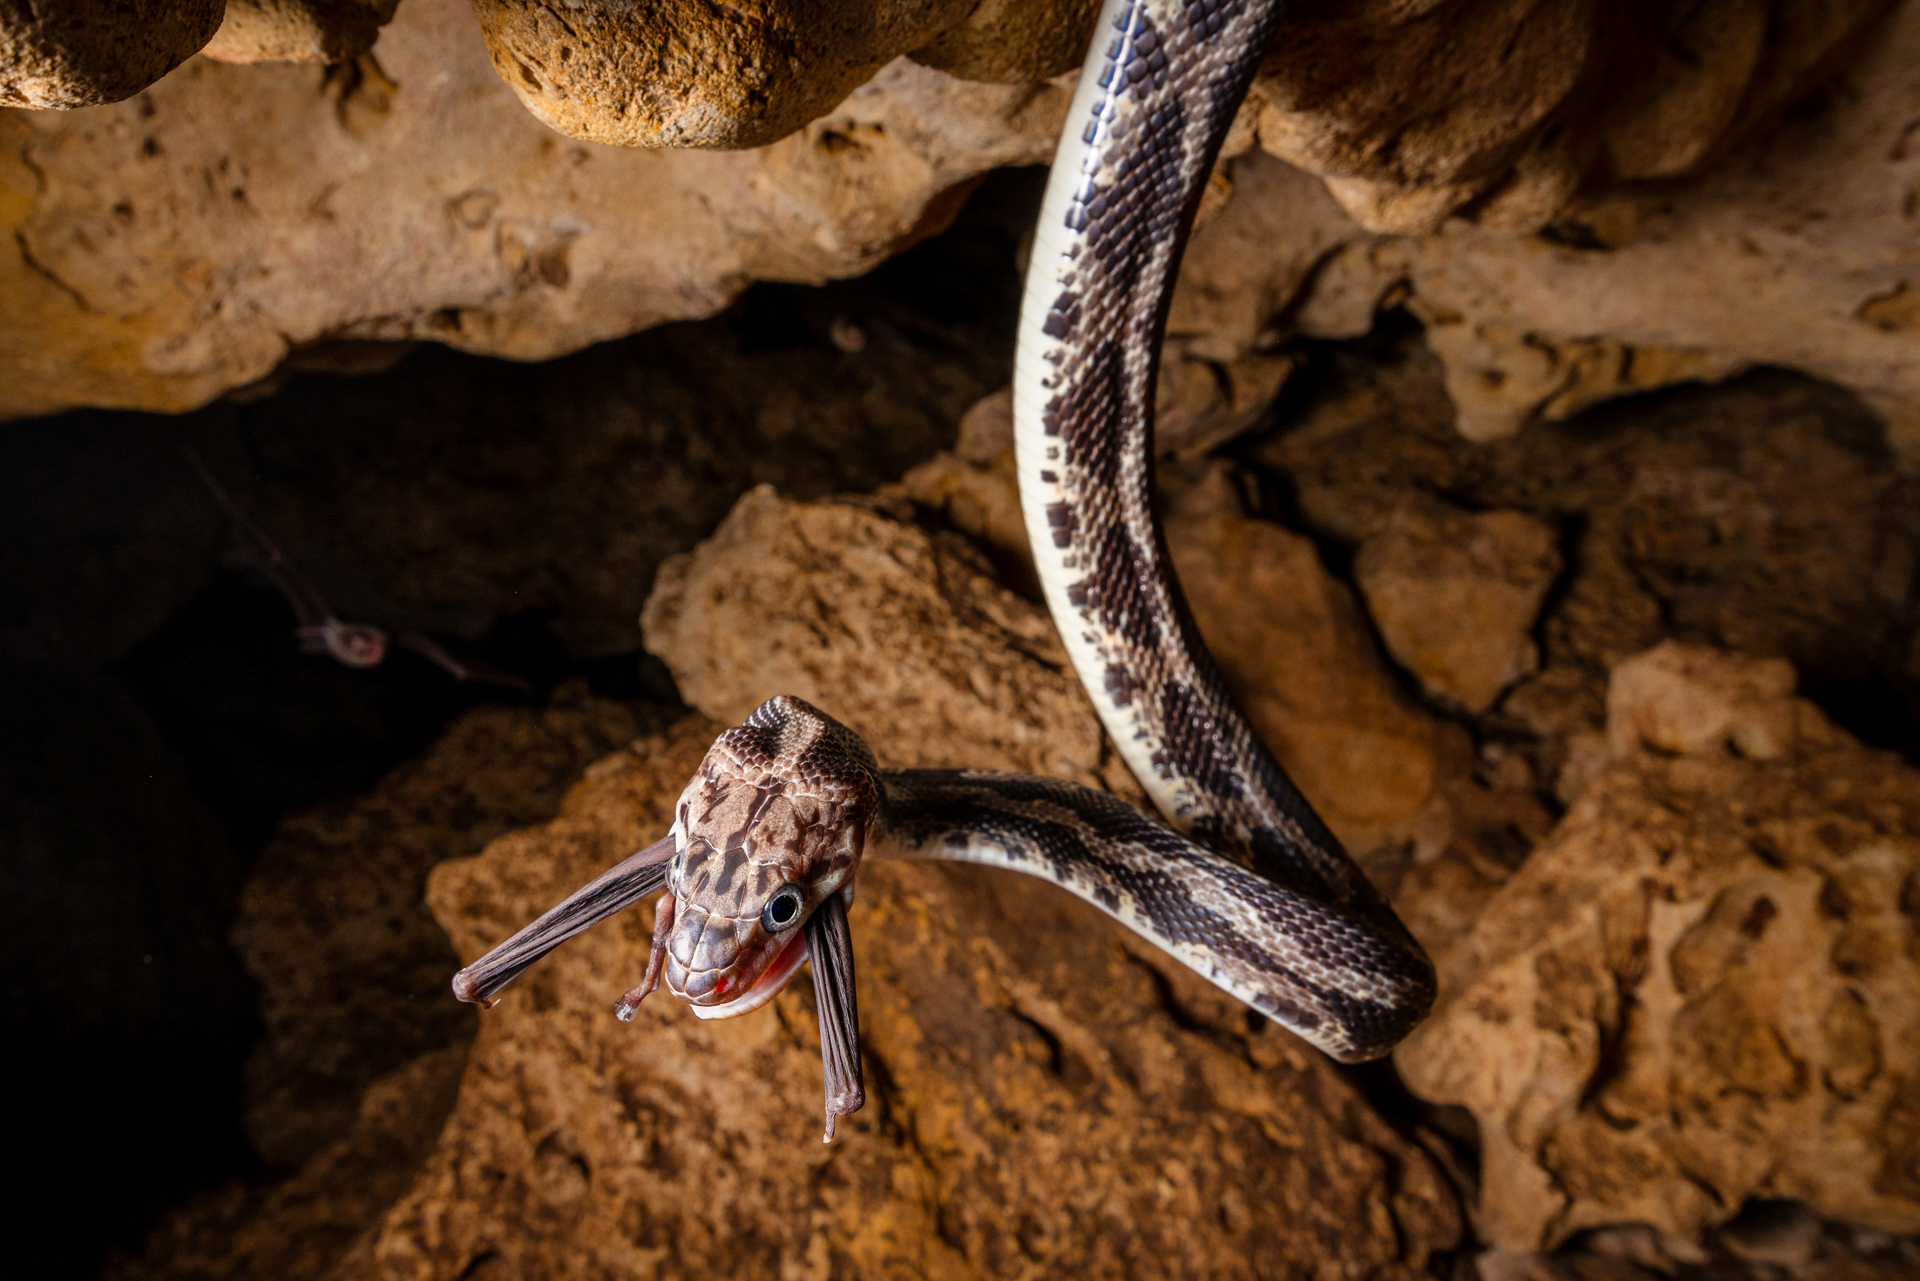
[[1540, 455], [1669, 895]]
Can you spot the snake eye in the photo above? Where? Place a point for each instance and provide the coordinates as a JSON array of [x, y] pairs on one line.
[[782, 910]]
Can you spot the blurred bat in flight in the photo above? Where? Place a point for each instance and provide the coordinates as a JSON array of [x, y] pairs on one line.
[[319, 629]]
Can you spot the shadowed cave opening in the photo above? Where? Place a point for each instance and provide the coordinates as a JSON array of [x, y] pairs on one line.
[[161, 721]]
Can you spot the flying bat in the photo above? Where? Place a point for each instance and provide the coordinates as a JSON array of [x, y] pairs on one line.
[[319, 629]]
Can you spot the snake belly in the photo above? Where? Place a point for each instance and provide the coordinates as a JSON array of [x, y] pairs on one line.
[[1251, 889]]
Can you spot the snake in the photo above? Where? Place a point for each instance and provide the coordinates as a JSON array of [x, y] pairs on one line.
[[1237, 878]]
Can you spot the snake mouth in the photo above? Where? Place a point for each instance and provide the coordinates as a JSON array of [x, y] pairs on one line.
[[766, 987]]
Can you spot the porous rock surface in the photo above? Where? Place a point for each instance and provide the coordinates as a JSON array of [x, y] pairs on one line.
[[82, 52], [818, 599], [1415, 110], [323, 31], [690, 74], [1455, 595], [352, 974], [1411, 111], [1796, 249], [167, 249], [1704, 987], [142, 278], [1027, 1060], [1767, 515]]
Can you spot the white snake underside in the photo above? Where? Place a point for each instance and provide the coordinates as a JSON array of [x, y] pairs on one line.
[[1248, 887]]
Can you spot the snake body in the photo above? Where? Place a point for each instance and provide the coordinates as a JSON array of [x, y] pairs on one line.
[[1247, 886]]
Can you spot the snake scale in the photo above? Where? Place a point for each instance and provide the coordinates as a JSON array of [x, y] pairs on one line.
[[1243, 882]]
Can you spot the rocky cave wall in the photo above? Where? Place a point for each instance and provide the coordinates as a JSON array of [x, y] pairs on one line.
[[1541, 453]]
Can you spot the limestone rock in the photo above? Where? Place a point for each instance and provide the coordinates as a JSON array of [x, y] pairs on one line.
[[1766, 515], [1455, 596], [1631, 288], [1792, 249], [414, 198], [902, 635], [1244, 269], [684, 74], [1298, 661], [1693, 702], [1415, 110], [410, 198], [326, 31], [1701, 989], [351, 969], [1012, 41], [1776, 256], [1026, 1060], [82, 52], [1411, 111]]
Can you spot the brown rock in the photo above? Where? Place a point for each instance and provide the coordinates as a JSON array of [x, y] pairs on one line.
[[82, 52], [1412, 111], [418, 200], [1672, 288], [1690, 701], [1246, 267], [685, 74], [1011, 41], [903, 635], [301, 1227], [299, 30], [1297, 658], [1028, 1060], [1701, 989], [1630, 289], [365, 213], [351, 969], [1455, 595], [1766, 516], [982, 501]]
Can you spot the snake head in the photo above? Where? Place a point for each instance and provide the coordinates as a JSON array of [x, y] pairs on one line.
[[772, 825]]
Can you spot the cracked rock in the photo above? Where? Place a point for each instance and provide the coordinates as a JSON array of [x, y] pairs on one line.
[[1455, 595], [1702, 987]]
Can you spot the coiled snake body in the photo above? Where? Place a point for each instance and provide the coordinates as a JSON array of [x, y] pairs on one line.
[[1248, 887]]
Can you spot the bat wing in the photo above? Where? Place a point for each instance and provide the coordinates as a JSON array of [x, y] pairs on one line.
[[309, 607], [461, 669]]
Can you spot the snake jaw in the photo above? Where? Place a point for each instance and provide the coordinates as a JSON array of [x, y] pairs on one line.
[[776, 820], [764, 988]]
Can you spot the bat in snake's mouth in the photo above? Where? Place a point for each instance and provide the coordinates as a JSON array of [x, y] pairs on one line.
[[1248, 887], [757, 872]]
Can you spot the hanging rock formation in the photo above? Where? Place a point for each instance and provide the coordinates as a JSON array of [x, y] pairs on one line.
[[84, 52], [323, 31], [164, 251], [169, 249]]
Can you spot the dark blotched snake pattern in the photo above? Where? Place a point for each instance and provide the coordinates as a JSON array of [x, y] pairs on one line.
[[1247, 886]]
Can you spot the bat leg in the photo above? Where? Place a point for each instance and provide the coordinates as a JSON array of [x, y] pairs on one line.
[[830, 955], [625, 1008]]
